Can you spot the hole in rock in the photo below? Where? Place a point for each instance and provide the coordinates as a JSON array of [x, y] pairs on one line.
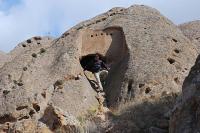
[[37, 38], [34, 55], [25, 68], [24, 45], [21, 107], [20, 84], [28, 41], [36, 107], [5, 92], [171, 61], [174, 40], [176, 80], [31, 113], [141, 85], [176, 51], [147, 90]]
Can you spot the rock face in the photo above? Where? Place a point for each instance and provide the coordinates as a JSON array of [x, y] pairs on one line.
[[149, 57], [185, 114], [192, 31], [42, 72], [185, 117], [149, 70], [3, 58]]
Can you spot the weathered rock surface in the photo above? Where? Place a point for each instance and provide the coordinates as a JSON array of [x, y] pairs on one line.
[[185, 116], [192, 31], [42, 72], [148, 66], [3, 58], [149, 58]]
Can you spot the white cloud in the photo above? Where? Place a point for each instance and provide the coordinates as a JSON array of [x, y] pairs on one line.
[[38, 17]]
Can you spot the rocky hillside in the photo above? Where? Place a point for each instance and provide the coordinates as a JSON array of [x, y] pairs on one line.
[[43, 87]]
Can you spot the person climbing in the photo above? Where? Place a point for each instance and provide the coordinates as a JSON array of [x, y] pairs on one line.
[[96, 66]]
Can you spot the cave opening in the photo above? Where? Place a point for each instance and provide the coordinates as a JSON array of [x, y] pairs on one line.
[[112, 48]]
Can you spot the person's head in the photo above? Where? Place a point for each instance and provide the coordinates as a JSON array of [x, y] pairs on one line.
[[96, 57]]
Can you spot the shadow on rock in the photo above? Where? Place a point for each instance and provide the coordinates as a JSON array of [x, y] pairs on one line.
[[148, 117]]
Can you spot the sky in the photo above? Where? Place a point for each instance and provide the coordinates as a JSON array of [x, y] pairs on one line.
[[22, 19]]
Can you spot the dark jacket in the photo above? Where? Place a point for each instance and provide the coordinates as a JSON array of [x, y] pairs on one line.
[[95, 66]]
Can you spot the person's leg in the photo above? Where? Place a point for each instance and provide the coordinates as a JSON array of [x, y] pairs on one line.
[[98, 80], [103, 75]]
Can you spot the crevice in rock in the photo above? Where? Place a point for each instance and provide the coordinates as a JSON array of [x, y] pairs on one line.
[[21, 107], [173, 39], [130, 83], [24, 117]]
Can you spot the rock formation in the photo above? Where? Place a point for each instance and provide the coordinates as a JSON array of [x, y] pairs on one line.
[[3, 58], [185, 115], [43, 87], [192, 31]]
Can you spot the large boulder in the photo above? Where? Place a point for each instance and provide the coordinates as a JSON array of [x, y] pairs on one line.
[[148, 55]]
